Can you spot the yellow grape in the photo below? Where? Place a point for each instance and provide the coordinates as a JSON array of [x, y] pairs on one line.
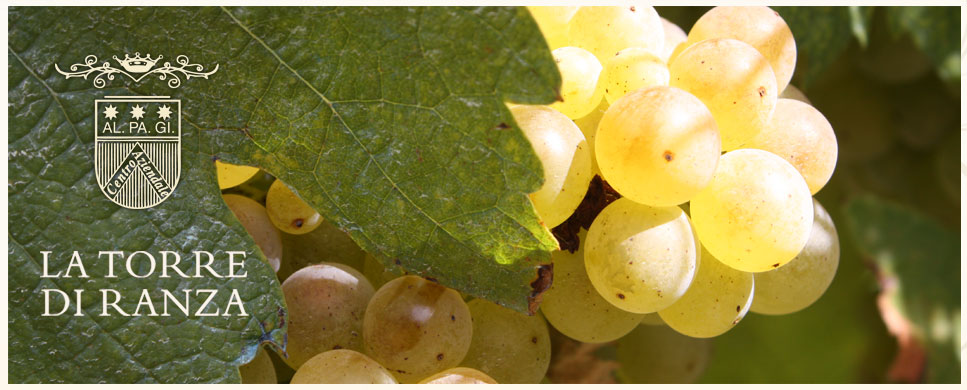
[[641, 258], [288, 212], [802, 136], [756, 213], [791, 92], [553, 23], [256, 222], [734, 81], [589, 126], [573, 306], [566, 158], [630, 69], [674, 36], [326, 303], [604, 31], [803, 280], [342, 366], [509, 346], [758, 26], [717, 299], [459, 376], [415, 327], [259, 371], [581, 84], [231, 175], [657, 146]]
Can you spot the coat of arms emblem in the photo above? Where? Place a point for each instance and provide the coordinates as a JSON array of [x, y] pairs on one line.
[[137, 149], [137, 139]]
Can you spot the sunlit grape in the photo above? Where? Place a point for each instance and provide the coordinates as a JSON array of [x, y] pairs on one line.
[[633, 68], [756, 213], [734, 81], [718, 298], [573, 306], [565, 157], [657, 146], [758, 26], [582, 85], [801, 135], [641, 258], [553, 23], [606, 30]]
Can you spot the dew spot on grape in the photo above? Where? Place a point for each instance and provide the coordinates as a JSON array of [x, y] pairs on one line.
[[668, 155]]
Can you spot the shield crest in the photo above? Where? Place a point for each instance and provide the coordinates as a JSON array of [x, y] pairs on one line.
[[137, 149]]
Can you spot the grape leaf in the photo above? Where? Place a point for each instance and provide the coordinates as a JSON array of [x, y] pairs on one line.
[[922, 259], [390, 121], [821, 33]]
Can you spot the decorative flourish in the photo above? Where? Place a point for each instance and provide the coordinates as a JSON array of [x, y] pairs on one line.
[[137, 68]]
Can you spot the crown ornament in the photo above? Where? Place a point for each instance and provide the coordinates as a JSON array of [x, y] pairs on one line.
[[137, 68], [137, 64]]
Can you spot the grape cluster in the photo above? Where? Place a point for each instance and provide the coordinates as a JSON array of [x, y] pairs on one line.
[[702, 161], [355, 321], [715, 158]]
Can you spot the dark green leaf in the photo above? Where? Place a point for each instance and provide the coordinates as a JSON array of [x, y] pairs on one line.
[[923, 259], [822, 34], [387, 120]]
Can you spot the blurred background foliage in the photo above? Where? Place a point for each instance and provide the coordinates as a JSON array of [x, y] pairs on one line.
[[888, 80]]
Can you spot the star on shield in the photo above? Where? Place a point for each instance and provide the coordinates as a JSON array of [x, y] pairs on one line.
[[110, 112]]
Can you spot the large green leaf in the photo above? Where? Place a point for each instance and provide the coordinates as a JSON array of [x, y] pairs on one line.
[[390, 121], [921, 258]]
